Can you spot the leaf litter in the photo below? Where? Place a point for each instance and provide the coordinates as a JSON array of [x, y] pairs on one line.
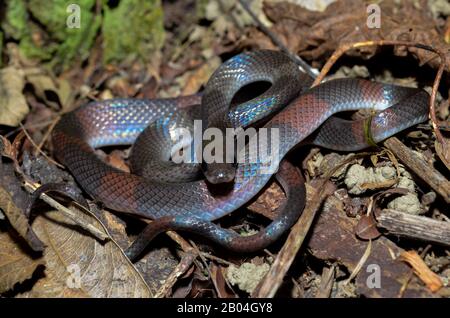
[[192, 38]]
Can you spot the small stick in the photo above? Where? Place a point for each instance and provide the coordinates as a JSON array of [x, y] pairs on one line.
[[36, 147], [414, 226], [185, 263], [305, 66], [411, 273], [47, 134], [420, 167], [273, 279], [360, 263], [203, 260], [215, 258], [68, 212], [181, 241], [326, 284], [430, 278]]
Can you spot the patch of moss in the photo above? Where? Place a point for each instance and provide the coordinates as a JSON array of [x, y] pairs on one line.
[[72, 42], [46, 35], [17, 27], [134, 27], [15, 22]]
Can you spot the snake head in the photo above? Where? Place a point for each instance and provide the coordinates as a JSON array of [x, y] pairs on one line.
[[217, 173]]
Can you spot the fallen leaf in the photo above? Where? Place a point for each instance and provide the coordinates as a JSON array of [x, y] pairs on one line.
[[13, 201], [269, 201], [156, 266], [116, 159], [443, 151], [315, 35], [13, 106], [77, 265], [15, 264], [366, 228], [219, 282], [200, 76], [18, 220], [45, 86]]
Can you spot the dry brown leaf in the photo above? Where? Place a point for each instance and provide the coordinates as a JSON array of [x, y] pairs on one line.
[[13, 106], [269, 201], [366, 228], [77, 265], [44, 85], [18, 220], [443, 151], [15, 264], [218, 279], [116, 159], [315, 35], [200, 76]]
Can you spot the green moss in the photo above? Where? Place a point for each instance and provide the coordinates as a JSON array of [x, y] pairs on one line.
[[72, 42], [55, 41], [15, 22], [134, 27], [17, 27], [29, 48]]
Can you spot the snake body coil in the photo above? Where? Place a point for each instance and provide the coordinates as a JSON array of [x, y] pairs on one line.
[[193, 205]]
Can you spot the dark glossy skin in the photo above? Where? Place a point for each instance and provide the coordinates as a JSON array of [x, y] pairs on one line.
[[193, 205]]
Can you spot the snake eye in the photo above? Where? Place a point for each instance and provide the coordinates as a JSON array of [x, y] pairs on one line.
[[220, 173]]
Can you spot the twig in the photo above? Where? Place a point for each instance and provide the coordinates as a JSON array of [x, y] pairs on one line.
[[326, 284], [420, 167], [190, 254], [305, 66], [185, 246], [273, 279], [431, 279], [30, 187], [47, 134], [215, 258], [185, 263], [360, 263], [203, 260], [411, 273], [36, 147], [414, 226], [28, 126]]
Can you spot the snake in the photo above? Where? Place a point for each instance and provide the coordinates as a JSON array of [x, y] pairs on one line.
[[289, 109]]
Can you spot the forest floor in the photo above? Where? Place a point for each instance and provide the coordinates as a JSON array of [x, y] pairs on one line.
[[381, 221]]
